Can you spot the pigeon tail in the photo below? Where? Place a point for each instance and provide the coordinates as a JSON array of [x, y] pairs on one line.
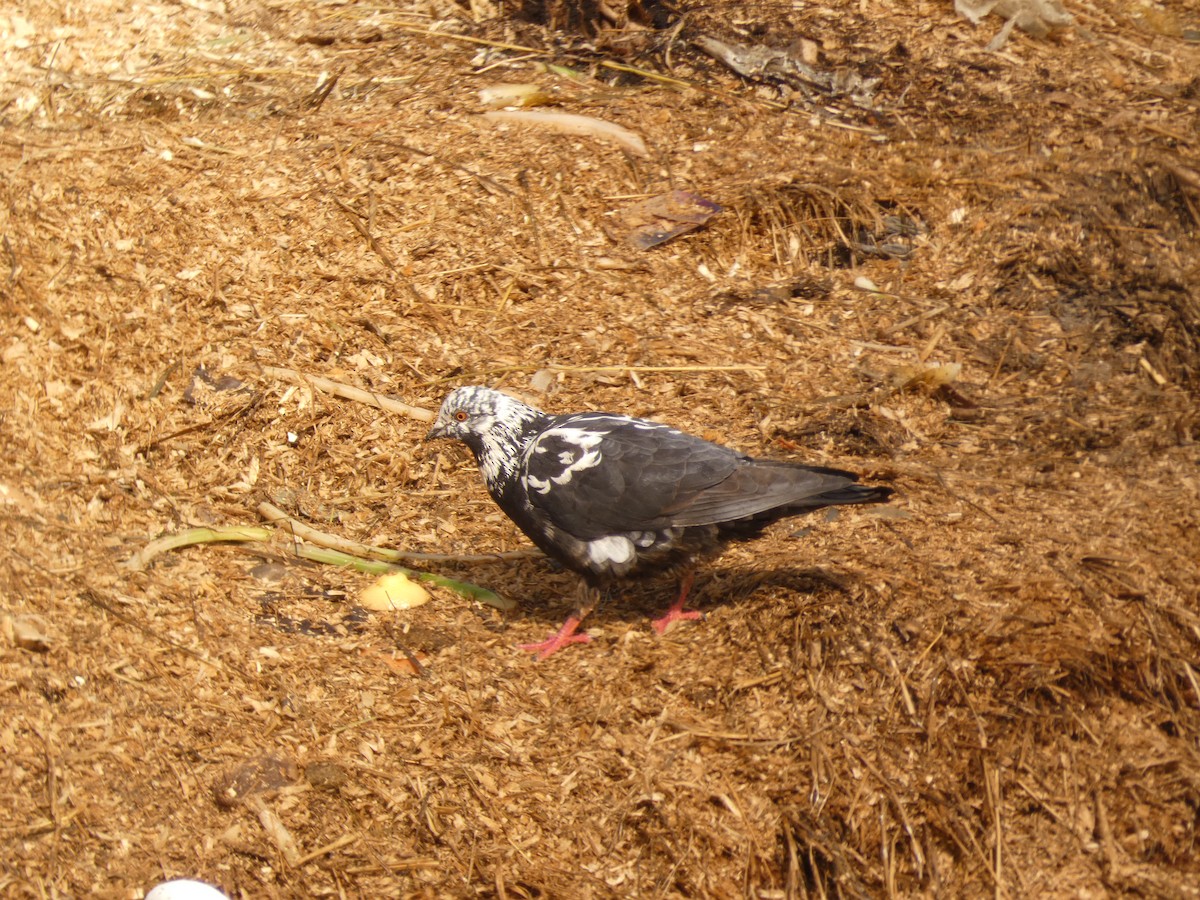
[[847, 496], [765, 488]]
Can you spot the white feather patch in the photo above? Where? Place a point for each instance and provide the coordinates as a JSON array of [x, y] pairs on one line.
[[644, 539], [581, 436], [612, 550], [585, 461]]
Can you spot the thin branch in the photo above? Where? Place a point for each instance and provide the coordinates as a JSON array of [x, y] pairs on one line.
[[348, 392], [612, 370]]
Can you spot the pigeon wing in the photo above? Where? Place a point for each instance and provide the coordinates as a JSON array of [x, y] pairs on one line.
[[594, 475], [755, 486]]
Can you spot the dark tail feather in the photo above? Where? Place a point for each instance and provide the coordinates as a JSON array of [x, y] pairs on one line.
[[852, 493], [751, 526]]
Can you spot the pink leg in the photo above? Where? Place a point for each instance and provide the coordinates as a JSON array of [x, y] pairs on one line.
[[587, 598], [676, 612], [566, 635]]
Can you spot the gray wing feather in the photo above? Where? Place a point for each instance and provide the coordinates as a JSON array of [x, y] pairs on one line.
[[757, 486], [644, 470], [652, 477]]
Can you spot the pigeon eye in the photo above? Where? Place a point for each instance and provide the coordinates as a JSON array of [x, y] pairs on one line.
[[461, 416]]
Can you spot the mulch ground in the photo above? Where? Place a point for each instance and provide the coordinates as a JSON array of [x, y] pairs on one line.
[[975, 278]]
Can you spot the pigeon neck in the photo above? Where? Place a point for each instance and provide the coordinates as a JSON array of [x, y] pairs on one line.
[[498, 450]]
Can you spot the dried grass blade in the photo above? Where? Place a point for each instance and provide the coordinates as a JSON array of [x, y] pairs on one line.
[[335, 551], [274, 514], [197, 536], [376, 567]]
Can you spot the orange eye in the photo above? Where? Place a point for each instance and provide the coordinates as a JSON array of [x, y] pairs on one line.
[[461, 416]]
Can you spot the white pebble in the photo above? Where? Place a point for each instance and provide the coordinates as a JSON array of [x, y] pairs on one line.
[[185, 889]]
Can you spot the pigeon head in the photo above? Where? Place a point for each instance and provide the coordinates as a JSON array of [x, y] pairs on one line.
[[493, 425]]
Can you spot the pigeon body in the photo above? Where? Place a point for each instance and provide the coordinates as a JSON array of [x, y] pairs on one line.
[[611, 497]]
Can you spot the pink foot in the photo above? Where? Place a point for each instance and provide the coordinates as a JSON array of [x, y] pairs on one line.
[[566, 636], [673, 615], [677, 612]]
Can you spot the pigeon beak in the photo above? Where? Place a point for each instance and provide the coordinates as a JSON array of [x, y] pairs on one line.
[[437, 431]]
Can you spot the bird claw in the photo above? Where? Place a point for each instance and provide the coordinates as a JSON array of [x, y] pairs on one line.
[[674, 615], [565, 636], [553, 644]]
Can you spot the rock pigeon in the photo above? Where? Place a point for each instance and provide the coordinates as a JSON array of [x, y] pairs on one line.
[[610, 496]]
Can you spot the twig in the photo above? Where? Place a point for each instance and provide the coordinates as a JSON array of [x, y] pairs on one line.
[[1192, 681], [685, 729], [200, 426], [364, 229], [317, 98], [51, 780], [571, 123], [348, 392], [928, 314], [991, 779], [356, 219], [1152, 372], [694, 85], [421, 671], [614, 370], [1104, 832], [276, 830], [608, 64], [273, 514], [162, 380], [653, 76], [341, 842], [918, 854], [534, 225], [14, 265]]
